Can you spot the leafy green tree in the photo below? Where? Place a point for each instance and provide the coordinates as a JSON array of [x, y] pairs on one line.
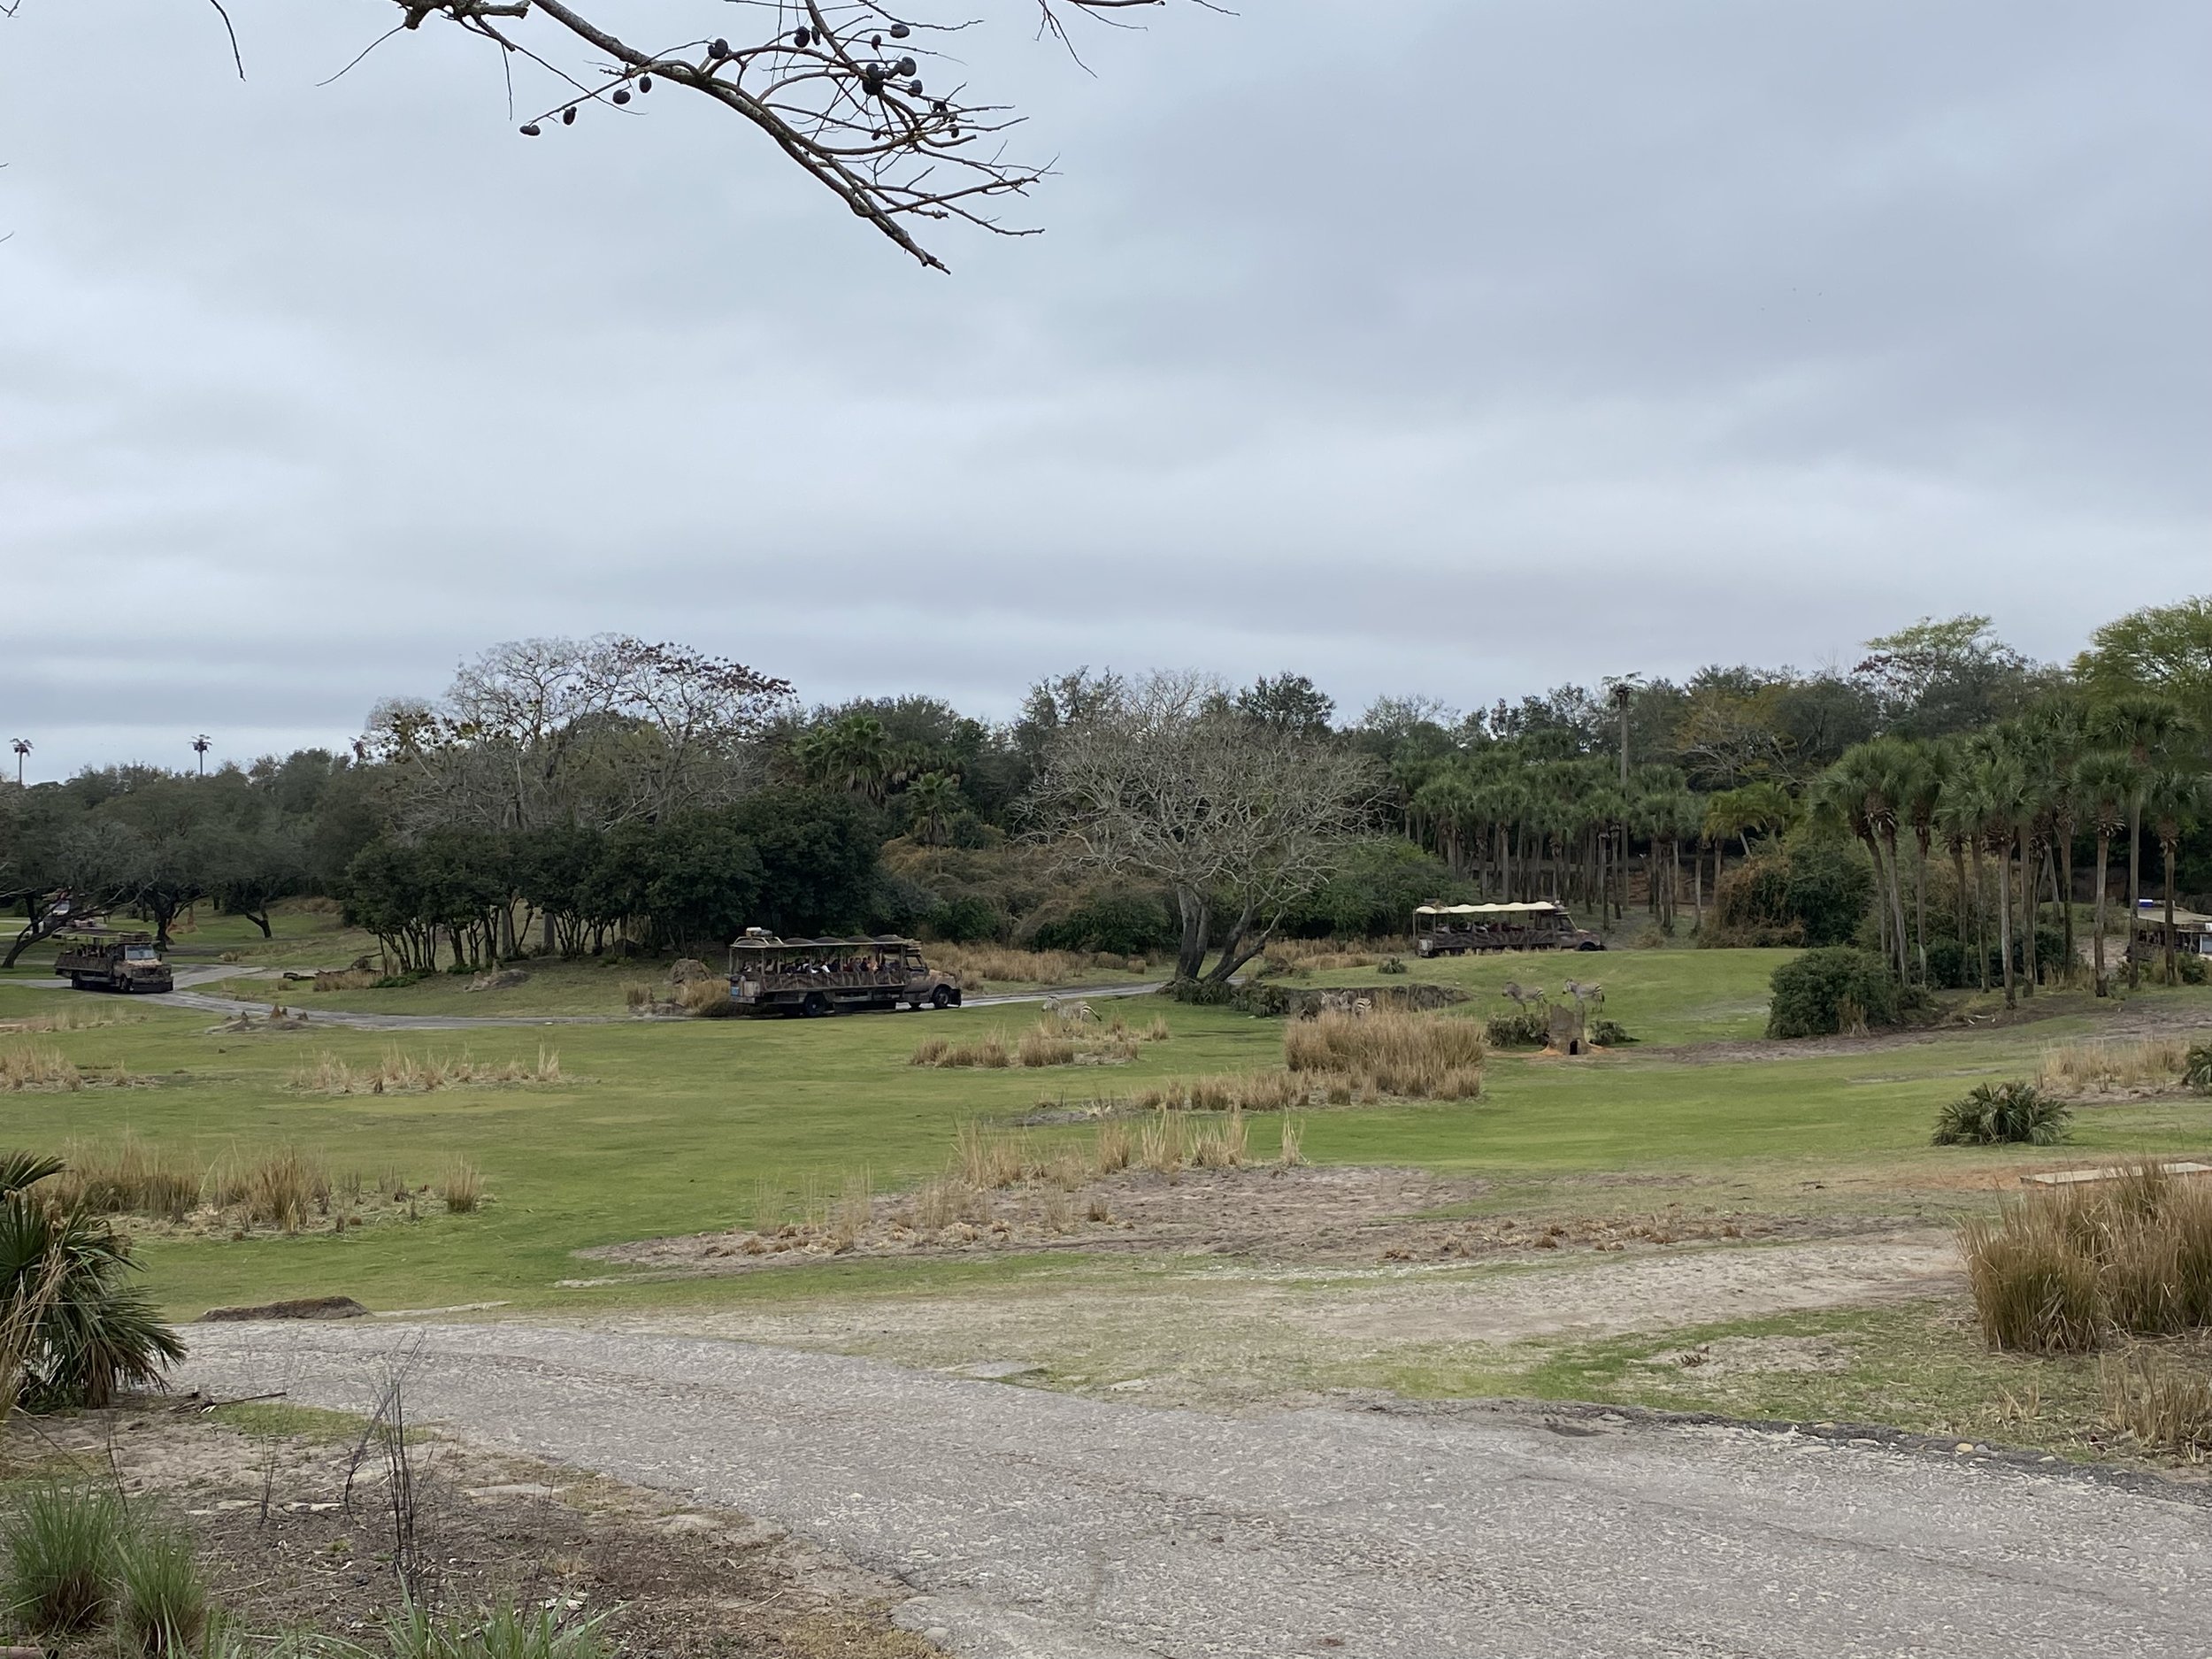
[[2165, 650]]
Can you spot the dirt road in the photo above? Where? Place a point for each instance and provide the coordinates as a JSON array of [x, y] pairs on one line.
[[1039, 1526]]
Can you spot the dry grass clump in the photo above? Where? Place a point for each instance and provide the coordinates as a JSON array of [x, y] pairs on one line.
[[1414, 1057], [398, 1073], [37, 1065], [462, 1189], [976, 965], [2067, 1271], [708, 998], [129, 1177], [344, 978], [279, 1189], [2159, 1400], [1308, 956], [71, 1018], [2112, 1066], [1291, 1155], [1253, 1092], [989, 1052], [1058, 1039]]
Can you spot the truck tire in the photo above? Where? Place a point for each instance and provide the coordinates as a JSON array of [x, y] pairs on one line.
[[942, 997], [816, 1005]]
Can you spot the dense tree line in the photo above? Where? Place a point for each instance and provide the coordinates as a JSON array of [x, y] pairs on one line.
[[1937, 800]]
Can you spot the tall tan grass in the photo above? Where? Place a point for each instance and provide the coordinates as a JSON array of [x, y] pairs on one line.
[[2111, 1065], [127, 1177], [277, 1189], [2159, 1400], [71, 1018], [344, 978], [461, 1188], [37, 1065], [977, 966], [1414, 1057], [398, 1073], [2070, 1270]]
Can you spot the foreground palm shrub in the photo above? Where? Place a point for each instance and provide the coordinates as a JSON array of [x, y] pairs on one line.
[[2196, 1068], [2070, 1270], [72, 1330], [1999, 1114], [62, 1543]]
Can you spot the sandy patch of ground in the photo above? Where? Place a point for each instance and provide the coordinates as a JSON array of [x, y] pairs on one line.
[[1237, 1332], [1303, 1216]]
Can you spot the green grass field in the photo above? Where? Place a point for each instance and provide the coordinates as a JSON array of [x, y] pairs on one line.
[[678, 1126]]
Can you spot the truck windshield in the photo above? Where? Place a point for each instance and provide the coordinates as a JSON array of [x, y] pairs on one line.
[[139, 953]]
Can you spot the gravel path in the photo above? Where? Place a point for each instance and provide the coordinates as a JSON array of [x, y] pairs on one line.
[[1037, 1525]]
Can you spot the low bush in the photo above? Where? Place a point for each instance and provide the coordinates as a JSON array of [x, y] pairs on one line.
[[2066, 1270], [1811, 892], [2196, 1068], [1523, 1028], [62, 1543], [1824, 992], [2003, 1114]]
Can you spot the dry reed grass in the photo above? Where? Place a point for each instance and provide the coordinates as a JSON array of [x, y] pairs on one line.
[[1291, 1155], [129, 1177], [37, 1065], [398, 1073], [2111, 1066], [461, 1188], [976, 965], [2070, 1270], [71, 1018], [1413, 1056], [279, 1189], [1252, 1092], [344, 978], [2159, 1400], [708, 998]]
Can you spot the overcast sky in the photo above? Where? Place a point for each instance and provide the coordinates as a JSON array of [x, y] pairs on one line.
[[1459, 347]]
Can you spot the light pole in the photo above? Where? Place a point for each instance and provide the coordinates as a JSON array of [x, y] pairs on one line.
[[200, 747], [22, 747]]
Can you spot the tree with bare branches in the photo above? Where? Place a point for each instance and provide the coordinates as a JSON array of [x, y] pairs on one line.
[[865, 99], [1168, 781]]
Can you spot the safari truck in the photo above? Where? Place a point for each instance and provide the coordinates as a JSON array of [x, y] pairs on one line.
[[815, 976], [1451, 930], [114, 962]]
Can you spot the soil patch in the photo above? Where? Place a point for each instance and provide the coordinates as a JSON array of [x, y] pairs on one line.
[[289, 1549], [1306, 1216]]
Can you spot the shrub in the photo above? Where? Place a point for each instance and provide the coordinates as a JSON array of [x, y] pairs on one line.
[[1523, 1028], [2196, 1068], [969, 920], [1812, 892], [1826, 991], [2064, 1270], [74, 1332], [1115, 923], [62, 1543], [161, 1604], [1999, 1114]]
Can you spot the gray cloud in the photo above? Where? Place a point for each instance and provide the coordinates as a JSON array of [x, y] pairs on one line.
[[1461, 348]]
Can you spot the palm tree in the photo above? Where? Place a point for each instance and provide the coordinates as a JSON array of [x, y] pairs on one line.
[[2146, 725], [934, 797], [1922, 786], [2105, 780], [2001, 792], [2176, 802], [1957, 818]]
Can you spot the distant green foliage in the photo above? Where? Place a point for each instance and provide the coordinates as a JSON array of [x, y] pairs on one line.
[[1953, 968], [967, 920], [1523, 1028], [1121, 924], [1373, 892], [1813, 891], [2001, 1114], [1824, 992]]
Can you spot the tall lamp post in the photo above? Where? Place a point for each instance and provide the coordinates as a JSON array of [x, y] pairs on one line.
[[200, 746], [22, 747]]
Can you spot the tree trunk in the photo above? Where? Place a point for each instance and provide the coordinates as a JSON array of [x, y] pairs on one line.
[[2166, 844], [1920, 902], [2027, 914], [1191, 955], [1240, 947], [2104, 880], [2064, 881], [1958, 875], [1981, 923], [2135, 888], [2004, 918]]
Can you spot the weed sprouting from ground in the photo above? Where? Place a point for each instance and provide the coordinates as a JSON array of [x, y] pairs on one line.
[[161, 1608], [2071, 1270]]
